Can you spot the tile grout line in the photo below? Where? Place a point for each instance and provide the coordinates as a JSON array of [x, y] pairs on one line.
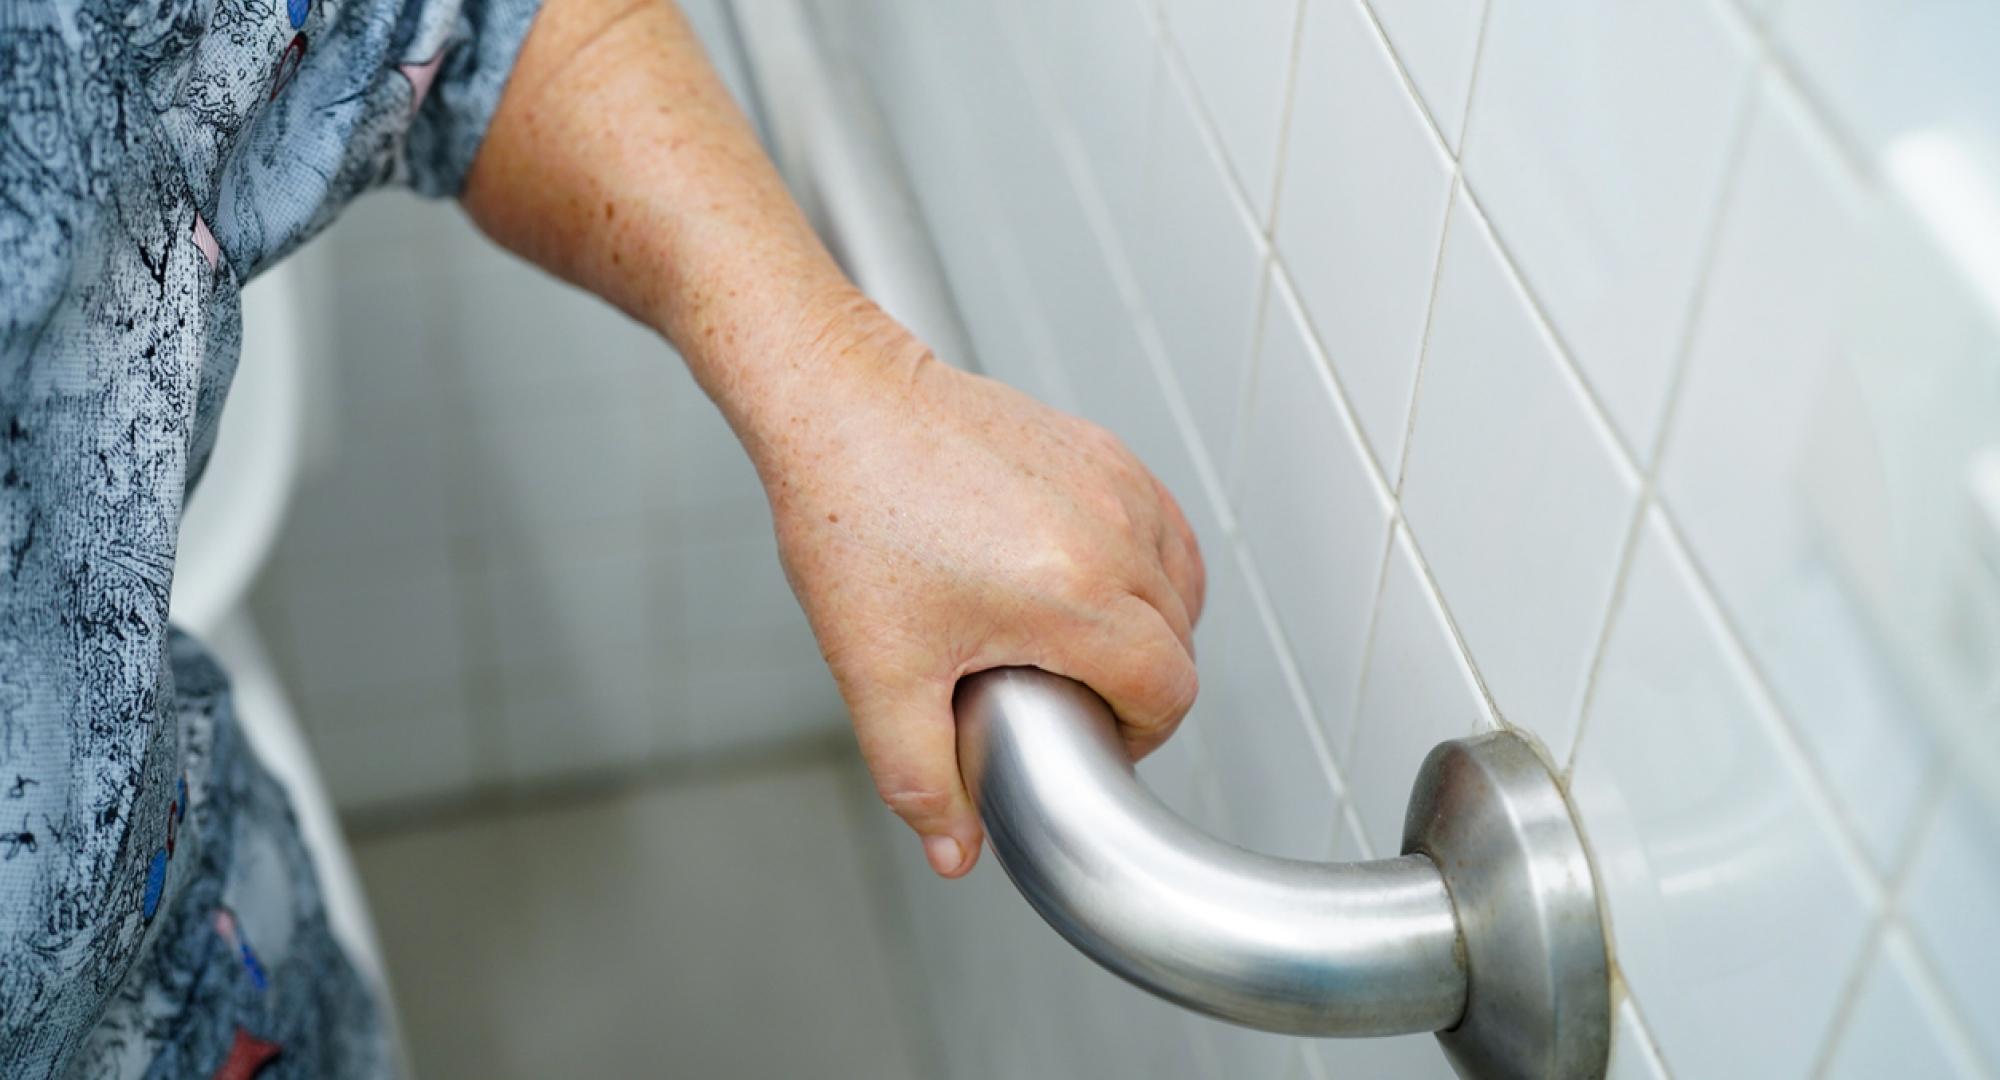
[[1500, 719], [1177, 70], [1275, 640], [1766, 63], [1926, 820], [1648, 498], [1648, 489], [1790, 741], [1322, 362], [1472, 78], [1653, 1047], [1082, 182], [1780, 63], [1627, 556], [1246, 395], [890, 915], [490, 759], [1539, 311], [1285, 112], [1424, 339], [1595, 408], [1388, 47], [1602, 417], [1368, 640], [1232, 467], [1883, 921]]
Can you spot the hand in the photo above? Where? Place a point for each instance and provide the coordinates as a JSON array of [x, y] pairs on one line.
[[935, 523]]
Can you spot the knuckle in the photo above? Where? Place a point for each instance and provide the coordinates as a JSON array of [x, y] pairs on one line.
[[915, 803], [1175, 688], [1189, 690]]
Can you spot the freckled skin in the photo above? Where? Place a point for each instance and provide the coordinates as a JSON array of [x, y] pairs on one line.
[[932, 523]]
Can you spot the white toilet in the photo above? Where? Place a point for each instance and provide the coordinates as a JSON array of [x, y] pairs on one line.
[[226, 536]]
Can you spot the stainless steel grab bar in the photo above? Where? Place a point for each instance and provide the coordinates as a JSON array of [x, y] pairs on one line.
[[1485, 930]]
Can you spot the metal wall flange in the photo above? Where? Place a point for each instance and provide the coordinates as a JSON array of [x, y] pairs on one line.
[[1489, 814]]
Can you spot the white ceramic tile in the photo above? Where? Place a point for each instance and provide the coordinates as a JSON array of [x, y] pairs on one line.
[[375, 620], [1313, 518], [383, 747], [1952, 893], [1241, 1051], [1102, 61], [391, 221], [1405, 1057], [1177, 773], [555, 460], [709, 488], [580, 662], [1366, 185], [519, 334], [734, 594], [1896, 1027], [1275, 785], [1438, 41], [1119, 387], [1144, 1037], [1512, 489], [1238, 52], [1007, 218], [1725, 887], [1597, 141], [1199, 261], [743, 702], [1891, 70], [576, 599], [385, 334], [1633, 1056], [387, 484], [1062, 264], [550, 730], [1759, 411], [1417, 693]]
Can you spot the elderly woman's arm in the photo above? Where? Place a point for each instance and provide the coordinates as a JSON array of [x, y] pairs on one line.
[[932, 523]]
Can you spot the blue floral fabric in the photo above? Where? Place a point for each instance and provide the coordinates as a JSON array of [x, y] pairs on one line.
[[158, 915]]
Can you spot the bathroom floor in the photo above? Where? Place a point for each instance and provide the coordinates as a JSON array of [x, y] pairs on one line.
[[712, 923]]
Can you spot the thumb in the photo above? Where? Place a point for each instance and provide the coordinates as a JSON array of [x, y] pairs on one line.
[[910, 742]]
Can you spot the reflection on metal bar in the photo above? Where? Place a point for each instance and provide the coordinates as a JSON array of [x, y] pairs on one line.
[[1485, 930]]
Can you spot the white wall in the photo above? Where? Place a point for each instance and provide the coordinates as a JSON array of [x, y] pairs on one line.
[[530, 550], [1583, 368]]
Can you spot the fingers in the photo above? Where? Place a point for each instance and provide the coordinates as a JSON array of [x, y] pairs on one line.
[[910, 743], [1180, 555], [1139, 664]]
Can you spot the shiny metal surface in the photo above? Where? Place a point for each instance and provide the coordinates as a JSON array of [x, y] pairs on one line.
[[1374, 948], [1299, 947], [1490, 815]]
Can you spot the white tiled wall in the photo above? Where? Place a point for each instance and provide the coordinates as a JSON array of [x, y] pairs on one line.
[[1520, 363], [528, 549]]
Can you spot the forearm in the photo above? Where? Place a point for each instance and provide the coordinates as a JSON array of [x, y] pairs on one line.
[[933, 523], [618, 161]]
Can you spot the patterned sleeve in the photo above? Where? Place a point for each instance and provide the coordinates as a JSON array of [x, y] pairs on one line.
[[288, 109], [480, 39], [153, 157]]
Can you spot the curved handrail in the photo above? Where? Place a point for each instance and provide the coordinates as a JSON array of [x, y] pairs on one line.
[[1485, 929]]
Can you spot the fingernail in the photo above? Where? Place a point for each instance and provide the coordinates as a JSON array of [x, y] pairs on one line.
[[944, 853]]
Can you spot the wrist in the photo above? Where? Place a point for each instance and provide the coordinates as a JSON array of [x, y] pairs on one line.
[[833, 357]]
